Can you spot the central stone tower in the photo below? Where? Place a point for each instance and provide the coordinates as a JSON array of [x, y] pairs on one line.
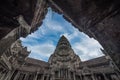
[[64, 56], [63, 61]]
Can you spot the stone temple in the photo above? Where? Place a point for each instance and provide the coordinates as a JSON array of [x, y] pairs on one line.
[[99, 19], [63, 64]]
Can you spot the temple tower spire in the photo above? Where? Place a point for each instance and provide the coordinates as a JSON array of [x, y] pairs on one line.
[[63, 41], [64, 55]]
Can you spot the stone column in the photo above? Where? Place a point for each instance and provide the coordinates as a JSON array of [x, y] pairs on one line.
[[93, 77], [59, 74], [3, 76], [36, 76], [1, 73], [74, 76], [69, 74], [114, 77], [118, 75], [43, 77], [17, 75], [85, 77], [80, 77], [53, 77], [11, 73], [26, 76], [105, 77], [8, 75], [47, 77]]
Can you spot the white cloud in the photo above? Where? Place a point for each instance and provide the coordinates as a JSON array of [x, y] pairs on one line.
[[85, 47], [88, 48], [74, 34], [52, 25], [42, 50]]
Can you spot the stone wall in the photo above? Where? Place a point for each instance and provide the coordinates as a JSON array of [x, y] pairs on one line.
[[18, 19]]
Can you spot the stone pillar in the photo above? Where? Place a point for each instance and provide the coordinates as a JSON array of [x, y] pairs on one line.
[[8, 75], [17, 75], [53, 77], [69, 74], [74, 76], [11, 73], [118, 75], [47, 77], [80, 77], [105, 77], [26, 76], [59, 73], [36, 76], [1, 73], [93, 77], [3, 76], [114, 77], [85, 77], [43, 77]]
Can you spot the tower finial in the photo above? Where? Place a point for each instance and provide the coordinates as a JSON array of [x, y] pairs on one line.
[[63, 42]]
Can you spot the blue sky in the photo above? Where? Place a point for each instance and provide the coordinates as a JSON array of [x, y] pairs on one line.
[[42, 42]]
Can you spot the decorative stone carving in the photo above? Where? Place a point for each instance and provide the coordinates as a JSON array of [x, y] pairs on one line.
[[18, 53]]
